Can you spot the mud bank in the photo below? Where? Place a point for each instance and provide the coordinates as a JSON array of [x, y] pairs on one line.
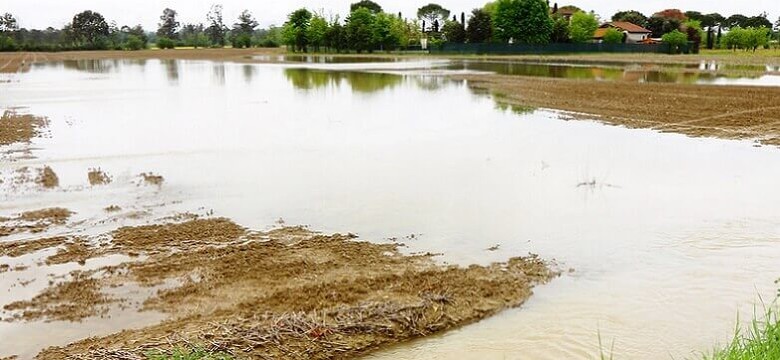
[[729, 112], [285, 293]]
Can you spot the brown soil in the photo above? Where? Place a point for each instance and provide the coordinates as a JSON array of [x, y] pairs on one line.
[[77, 251], [152, 179], [288, 293], [730, 112], [53, 215], [15, 127], [70, 301], [47, 178], [21, 248], [98, 177], [34, 221]]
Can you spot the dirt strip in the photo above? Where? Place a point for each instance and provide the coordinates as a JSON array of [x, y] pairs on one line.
[[14, 62], [729, 112], [289, 293]]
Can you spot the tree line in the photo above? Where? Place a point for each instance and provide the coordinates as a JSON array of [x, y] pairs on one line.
[[89, 30], [368, 28]]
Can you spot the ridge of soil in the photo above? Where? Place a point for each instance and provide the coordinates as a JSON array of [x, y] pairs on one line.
[[729, 112], [33, 221], [287, 293]]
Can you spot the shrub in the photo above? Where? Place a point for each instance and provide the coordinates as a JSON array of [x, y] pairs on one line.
[[7, 44], [676, 40], [134, 43], [269, 43], [613, 36], [165, 43], [583, 26], [242, 41]]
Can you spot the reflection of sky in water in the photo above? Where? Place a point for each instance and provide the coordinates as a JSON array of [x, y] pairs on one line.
[[674, 235]]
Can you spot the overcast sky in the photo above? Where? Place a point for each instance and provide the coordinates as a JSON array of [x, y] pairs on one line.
[[44, 13]]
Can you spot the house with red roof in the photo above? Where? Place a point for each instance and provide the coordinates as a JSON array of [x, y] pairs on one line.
[[632, 33]]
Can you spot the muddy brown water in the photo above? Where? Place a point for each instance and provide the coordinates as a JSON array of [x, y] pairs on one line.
[[670, 237]]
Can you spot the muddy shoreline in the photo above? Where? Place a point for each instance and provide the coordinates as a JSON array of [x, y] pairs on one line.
[[285, 293], [727, 112]]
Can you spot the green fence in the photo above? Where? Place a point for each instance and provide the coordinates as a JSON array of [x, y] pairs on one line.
[[557, 48]]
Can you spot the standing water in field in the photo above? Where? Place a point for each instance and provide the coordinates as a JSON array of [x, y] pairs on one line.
[[667, 237]]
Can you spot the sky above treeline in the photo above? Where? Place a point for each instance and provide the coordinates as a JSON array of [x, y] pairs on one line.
[[40, 14]]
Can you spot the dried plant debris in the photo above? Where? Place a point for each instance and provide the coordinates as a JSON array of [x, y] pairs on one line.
[[285, 293], [20, 128], [98, 177], [47, 178]]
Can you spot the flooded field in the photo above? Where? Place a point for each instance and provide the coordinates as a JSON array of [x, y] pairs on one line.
[[662, 239], [705, 73]]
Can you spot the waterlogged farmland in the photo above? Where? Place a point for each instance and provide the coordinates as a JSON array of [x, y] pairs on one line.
[[660, 239]]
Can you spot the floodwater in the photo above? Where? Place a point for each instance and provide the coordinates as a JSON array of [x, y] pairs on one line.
[[705, 73], [669, 237]]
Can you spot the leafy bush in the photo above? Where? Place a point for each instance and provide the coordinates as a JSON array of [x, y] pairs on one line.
[[583, 26], [134, 43], [165, 43], [676, 40], [242, 41], [613, 36], [7, 44]]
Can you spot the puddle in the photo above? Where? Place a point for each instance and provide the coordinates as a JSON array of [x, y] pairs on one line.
[[670, 237]]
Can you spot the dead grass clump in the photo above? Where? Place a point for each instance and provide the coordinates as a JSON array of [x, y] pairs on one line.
[[47, 178], [113, 208], [15, 127], [98, 177]]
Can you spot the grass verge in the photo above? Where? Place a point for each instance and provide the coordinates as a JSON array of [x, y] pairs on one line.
[[761, 340]]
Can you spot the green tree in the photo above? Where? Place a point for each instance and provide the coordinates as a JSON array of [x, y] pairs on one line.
[[433, 14], [8, 23], [613, 36], [560, 32], [736, 20], [676, 40], [168, 26], [632, 16], [382, 31], [454, 32], [241, 36], [524, 21], [90, 28], [359, 30], [712, 20], [368, 4], [246, 23], [216, 30], [583, 26], [759, 21], [694, 31], [757, 37], [318, 29], [480, 27], [335, 37], [194, 35], [165, 43], [296, 28], [134, 43]]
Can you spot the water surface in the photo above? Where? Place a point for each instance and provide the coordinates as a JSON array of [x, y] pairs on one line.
[[669, 237]]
